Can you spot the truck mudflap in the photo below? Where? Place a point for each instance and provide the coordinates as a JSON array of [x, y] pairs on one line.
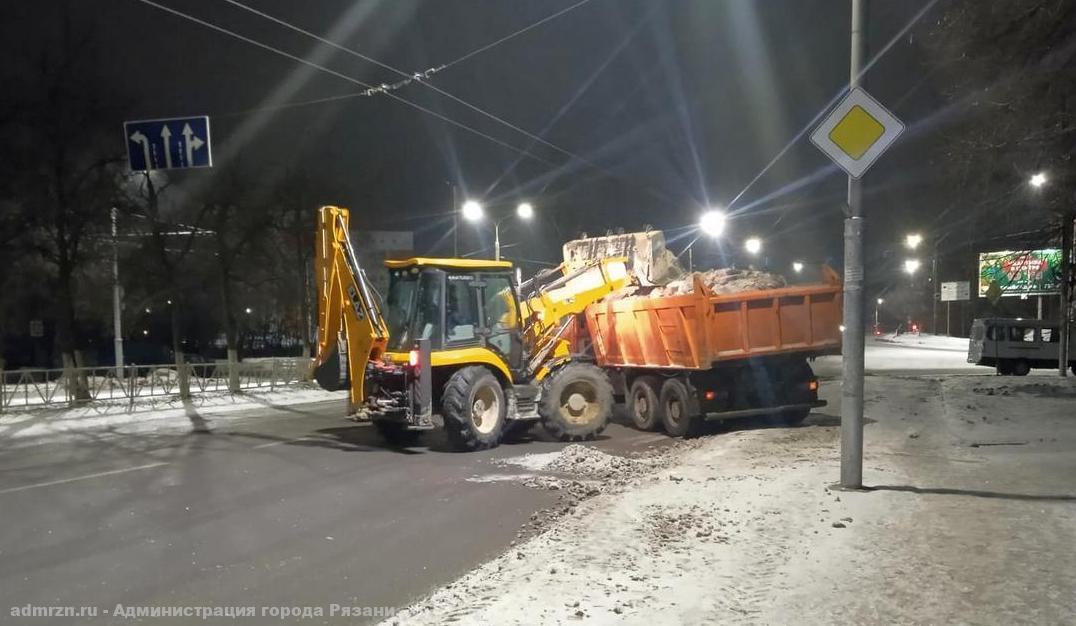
[[766, 410]]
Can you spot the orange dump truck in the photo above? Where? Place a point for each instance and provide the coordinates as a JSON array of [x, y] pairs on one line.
[[682, 358]]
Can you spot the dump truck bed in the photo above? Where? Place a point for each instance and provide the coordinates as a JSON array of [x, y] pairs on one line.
[[699, 329]]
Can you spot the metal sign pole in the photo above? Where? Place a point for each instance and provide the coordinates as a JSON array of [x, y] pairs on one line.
[[117, 300], [852, 363]]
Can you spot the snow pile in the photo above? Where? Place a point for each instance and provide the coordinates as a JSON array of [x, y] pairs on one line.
[[593, 463], [579, 472]]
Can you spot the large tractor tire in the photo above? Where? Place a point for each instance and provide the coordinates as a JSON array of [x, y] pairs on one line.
[[474, 409], [396, 434], [643, 404], [576, 403], [680, 409]]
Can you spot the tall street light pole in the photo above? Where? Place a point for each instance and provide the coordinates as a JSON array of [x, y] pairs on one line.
[[852, 363], [117, 299], [1068, 224]]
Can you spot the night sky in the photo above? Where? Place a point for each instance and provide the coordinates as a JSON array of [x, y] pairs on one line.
[[671, 106]]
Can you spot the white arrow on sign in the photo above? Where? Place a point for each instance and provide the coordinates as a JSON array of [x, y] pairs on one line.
[[166, 135], [138, 137], [192, 142]]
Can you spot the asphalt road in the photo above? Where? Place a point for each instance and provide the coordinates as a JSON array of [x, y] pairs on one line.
[[290, 506], [284, 506]]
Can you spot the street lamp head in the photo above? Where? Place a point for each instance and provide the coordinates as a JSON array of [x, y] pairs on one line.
[[249, 310], [525, 211], [881, 300], [753, 245], [712, 222], [1038, 180], [913, 240], [472, 211], [911, 266], [797, 266]]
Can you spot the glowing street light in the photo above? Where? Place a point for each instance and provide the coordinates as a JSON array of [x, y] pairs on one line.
[[881, 301], [911, 266], [753, 245], [712, 223], [525, 211], [797, 266], [912, 241], [249, 310], [1038, 180], [472, 211]]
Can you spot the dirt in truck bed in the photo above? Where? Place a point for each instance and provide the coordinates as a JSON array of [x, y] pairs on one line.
[[722, 280]]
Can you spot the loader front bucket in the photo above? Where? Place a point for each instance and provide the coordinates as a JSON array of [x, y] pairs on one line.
[[648, 259]]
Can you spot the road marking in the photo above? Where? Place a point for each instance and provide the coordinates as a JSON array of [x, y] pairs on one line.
[[280, 443], [86, 477]]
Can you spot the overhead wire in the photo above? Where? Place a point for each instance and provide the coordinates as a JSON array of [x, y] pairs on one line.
[[350, 79], [408, 77]]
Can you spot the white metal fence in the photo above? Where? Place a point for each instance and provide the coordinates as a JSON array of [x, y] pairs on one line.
[[37, 388]]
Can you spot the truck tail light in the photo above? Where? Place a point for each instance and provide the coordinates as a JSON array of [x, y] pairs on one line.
[[812, 385], [412, 358], [710, 395]]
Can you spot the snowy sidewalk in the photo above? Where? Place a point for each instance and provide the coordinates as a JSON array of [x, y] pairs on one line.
[[971, 520], [161, 414]]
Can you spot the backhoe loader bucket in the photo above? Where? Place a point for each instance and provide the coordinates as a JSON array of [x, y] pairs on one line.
[[648, 259]]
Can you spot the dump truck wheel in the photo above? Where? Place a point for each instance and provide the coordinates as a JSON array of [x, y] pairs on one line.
[[643, 404], [396, 434], [576, 402], [1021, 368], [474, 408], [679, 408]]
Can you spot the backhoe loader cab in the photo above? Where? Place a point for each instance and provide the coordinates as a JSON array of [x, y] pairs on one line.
[[453, 340]]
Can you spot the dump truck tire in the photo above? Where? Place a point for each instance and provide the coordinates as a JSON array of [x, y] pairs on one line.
[[396, 434], [474, 409], [643, 404], [576, 403], [679, 408]]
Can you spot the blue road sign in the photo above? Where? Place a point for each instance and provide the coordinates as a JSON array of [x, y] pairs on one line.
[[175, 143]]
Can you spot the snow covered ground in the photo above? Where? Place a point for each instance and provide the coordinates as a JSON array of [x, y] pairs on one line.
[[910, 353], [154, 414], [970, 520]]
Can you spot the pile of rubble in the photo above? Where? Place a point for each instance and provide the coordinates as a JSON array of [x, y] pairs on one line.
[[722, 280]]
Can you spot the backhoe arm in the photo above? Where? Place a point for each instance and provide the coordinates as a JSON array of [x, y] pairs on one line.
[[346, 303]]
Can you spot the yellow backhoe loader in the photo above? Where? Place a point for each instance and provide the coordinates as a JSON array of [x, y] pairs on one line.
[[459, 339]]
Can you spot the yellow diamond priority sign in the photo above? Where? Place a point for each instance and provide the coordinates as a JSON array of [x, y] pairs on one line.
[[856, 132]]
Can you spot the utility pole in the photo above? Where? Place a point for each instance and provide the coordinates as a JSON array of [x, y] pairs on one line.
[[1068, 222], [117, 299], [852, 363]]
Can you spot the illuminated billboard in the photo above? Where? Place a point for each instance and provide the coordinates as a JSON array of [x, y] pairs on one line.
[[1021, 273]]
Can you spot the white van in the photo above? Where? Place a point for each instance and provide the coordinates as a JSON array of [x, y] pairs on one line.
[[1015, 346]]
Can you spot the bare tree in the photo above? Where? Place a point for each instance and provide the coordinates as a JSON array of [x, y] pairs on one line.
[[238, 225], [1012, 94], [65, 180]]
